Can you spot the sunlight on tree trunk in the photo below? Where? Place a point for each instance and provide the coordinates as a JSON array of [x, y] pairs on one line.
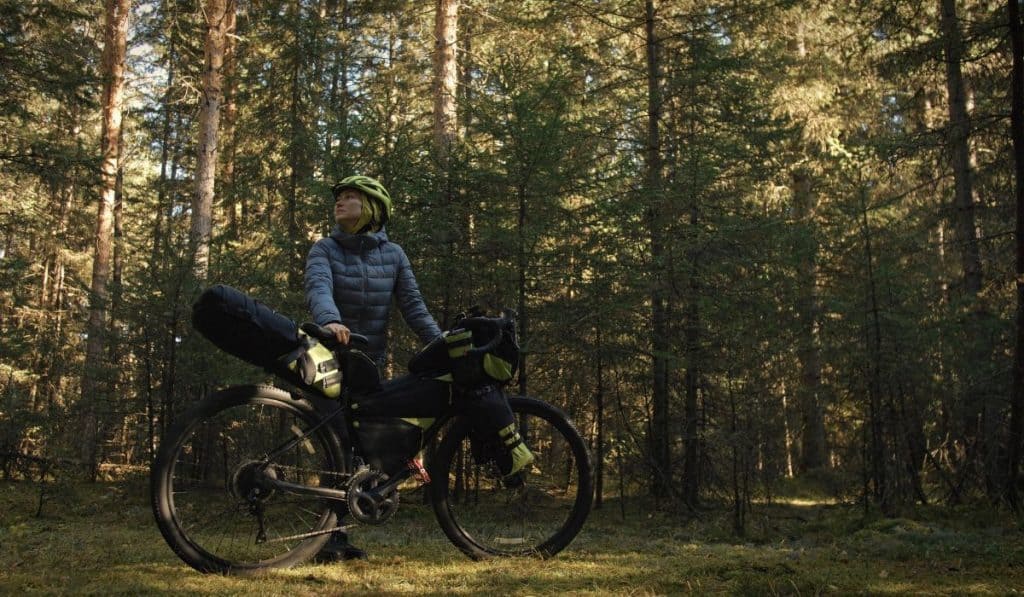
[[219, 16], [95, 382]]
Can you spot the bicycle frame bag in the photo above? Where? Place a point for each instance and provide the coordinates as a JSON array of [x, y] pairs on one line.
[[452, 353], [248, 329], [388, 425]]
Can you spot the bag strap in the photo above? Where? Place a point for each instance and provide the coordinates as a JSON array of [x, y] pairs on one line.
[[305, 343]]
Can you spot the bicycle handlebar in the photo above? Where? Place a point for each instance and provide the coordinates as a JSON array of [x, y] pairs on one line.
[[491, 325], [328, 339]]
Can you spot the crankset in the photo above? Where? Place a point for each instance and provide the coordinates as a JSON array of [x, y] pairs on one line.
[[365, 503]]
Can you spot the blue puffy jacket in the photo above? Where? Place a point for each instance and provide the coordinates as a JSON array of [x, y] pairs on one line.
[[352, 279]]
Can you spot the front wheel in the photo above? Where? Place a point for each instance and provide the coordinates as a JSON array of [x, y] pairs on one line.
[[484, 517], [210, 490]]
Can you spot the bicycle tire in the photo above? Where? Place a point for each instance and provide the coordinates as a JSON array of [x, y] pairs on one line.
[[539, 518], [202, 470]]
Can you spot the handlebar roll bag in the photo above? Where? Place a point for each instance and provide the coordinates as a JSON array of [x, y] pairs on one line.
[[452, 353], [250, 330]]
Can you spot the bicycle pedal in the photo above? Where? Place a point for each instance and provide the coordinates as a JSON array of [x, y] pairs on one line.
[[416, 466]]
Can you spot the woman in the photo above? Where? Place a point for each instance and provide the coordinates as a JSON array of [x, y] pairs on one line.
[[352, 278], [354, 275]]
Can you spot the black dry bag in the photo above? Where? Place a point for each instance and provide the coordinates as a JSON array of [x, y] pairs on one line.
[[246, 328]]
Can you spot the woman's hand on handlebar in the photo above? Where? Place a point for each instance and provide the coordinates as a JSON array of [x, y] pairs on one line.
[[341, 333]]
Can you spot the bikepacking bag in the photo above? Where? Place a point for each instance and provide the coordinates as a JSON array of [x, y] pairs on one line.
[[495, 440], [246, 328], [389, 424], [451, 353]]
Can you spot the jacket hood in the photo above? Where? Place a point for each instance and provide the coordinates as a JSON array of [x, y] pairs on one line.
[[359, 242]]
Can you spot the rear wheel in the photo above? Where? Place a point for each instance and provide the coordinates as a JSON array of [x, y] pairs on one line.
[[210, 482], [483, 516]]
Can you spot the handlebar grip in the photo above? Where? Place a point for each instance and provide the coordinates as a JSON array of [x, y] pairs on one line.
[[495, 328], [328, 339]]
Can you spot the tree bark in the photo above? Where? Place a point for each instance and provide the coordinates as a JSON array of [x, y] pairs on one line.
[[218, 18], [877, 448], [119, 243], [812, 437], [113, 68], [660, 455], [337, 99], [521, 263], [445, 132], [163, 204], [298, 165], [599, 447], [235, 211], [445, 79], [976, 415], [1017, 134]]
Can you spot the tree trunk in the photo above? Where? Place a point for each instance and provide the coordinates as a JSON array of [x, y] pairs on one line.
[[163, 204], [877, 450], [958, 136], [660, 455], [599, 417], [235, 213], [445, 79], [299, 165], [119, 245], [812, 446], [1017, 133], [524, 315], [113, 67], [337, 99], [691, 381], [218, 18], [445, 131]]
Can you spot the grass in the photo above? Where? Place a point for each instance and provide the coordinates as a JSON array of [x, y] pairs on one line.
[[100, 539]]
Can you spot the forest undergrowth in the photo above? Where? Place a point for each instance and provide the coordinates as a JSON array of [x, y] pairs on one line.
[[100, 538]]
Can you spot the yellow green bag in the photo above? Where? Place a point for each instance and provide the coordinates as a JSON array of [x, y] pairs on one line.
[[316, 365]]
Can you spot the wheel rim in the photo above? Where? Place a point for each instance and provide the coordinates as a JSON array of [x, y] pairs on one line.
[[217, 485], [527, 520]]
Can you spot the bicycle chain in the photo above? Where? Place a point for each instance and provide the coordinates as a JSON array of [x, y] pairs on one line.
[[344, 476]]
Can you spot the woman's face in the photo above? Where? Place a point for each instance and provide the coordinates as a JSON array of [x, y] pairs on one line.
[[348, 207]]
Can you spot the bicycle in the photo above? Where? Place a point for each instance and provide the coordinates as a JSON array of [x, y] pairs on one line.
[[258, 477]]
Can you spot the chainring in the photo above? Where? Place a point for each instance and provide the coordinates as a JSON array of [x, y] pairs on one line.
[[364, 504]]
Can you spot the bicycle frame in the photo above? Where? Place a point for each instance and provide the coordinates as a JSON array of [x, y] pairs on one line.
[[338, 494]]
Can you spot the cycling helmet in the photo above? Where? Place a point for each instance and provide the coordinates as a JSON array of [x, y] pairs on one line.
[[373, 189]]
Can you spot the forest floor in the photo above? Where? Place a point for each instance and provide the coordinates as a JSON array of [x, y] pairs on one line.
[[101, 539]]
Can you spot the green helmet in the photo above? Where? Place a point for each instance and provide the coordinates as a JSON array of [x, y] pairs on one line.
[[373, 189]]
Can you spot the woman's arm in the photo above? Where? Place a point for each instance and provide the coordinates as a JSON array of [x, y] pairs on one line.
[[320, 286], [410, 302]]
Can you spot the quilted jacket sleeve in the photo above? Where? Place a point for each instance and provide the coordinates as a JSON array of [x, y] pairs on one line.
[[410, 302], [320, 286]]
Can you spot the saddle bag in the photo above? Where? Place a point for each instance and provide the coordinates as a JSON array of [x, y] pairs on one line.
[[250, 330]]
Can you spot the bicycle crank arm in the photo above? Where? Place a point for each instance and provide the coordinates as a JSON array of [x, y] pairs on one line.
[[379, 493]]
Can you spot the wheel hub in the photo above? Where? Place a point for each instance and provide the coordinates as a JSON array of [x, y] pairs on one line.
[[251, 481]]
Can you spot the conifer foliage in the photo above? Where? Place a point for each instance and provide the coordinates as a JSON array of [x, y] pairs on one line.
[[746, 242]]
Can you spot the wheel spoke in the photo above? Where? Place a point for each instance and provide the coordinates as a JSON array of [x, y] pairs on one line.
[[483, 516], [225, 511]]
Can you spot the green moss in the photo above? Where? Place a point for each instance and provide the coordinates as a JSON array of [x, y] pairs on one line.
[[101, 539]]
